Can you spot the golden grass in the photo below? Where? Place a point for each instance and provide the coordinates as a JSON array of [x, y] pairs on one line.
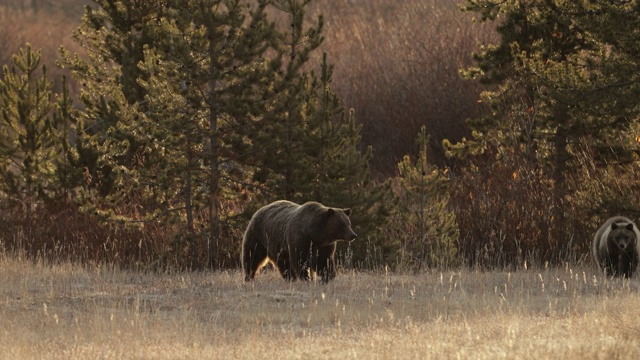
[[67, 311]]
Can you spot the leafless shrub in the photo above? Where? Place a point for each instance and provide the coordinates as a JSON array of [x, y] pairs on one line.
[[397, 64]]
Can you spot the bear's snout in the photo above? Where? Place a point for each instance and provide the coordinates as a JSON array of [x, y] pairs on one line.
[[622, 245], [351, 236]]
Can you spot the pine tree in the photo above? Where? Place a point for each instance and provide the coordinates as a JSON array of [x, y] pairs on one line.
[[69, 170], [175, 146], [607, 97], [217, 108], [283, 162], [114, 34], [565, 70], [203, 114], [534, 67], [429, 226], [30, 139], [341, 173], [609, 155]]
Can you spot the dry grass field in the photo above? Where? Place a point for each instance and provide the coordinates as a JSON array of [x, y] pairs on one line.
[[67, 311]]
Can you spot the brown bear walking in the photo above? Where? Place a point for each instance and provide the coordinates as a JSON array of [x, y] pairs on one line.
[[615, 247], [297, 239]]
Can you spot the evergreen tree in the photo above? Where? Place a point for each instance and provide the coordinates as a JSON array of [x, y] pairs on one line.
[[280, 143], [536, 62], [30, 140], [114, 34], [203, 94], [174, 147], [69, 169], [341, 173], [607, 99], [609, 158], [564, 71], [428, 226]]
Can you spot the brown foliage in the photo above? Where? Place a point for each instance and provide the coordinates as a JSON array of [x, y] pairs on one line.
[[58, 231], [507, 216], [397, 64]]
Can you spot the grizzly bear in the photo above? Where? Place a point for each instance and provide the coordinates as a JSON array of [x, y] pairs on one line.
[[299, 240], [615, 247]]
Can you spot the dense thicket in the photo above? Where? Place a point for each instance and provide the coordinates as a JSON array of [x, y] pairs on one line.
[[561, 117], [194, 113]]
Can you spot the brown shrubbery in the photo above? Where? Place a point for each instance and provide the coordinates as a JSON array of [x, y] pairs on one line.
[[57, 231], [397, 64], [506, 216]]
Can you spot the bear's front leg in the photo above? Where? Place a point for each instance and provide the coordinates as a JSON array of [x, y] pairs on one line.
[[626, 266], [305, 267], [324, 264], [305, 274], [284, 266]]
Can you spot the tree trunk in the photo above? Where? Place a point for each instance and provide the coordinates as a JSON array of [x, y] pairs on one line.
[[214, 171], [559, 172], [189, 208]]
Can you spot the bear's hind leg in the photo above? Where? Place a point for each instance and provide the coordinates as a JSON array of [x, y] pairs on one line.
[[253, 258]]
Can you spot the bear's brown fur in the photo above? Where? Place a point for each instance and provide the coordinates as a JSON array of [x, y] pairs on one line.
[[298, 239], [615, 247]]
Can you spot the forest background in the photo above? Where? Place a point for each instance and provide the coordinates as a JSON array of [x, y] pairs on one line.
[[154, 133]]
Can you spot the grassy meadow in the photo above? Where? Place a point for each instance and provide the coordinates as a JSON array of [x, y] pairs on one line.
[[66, 311]]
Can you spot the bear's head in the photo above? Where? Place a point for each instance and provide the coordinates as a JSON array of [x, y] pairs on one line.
[[622, 236], [338, 225]]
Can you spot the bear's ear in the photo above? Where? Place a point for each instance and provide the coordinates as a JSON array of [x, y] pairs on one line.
[[329, 212], [614, 226], [629, 226], [347, 211]]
